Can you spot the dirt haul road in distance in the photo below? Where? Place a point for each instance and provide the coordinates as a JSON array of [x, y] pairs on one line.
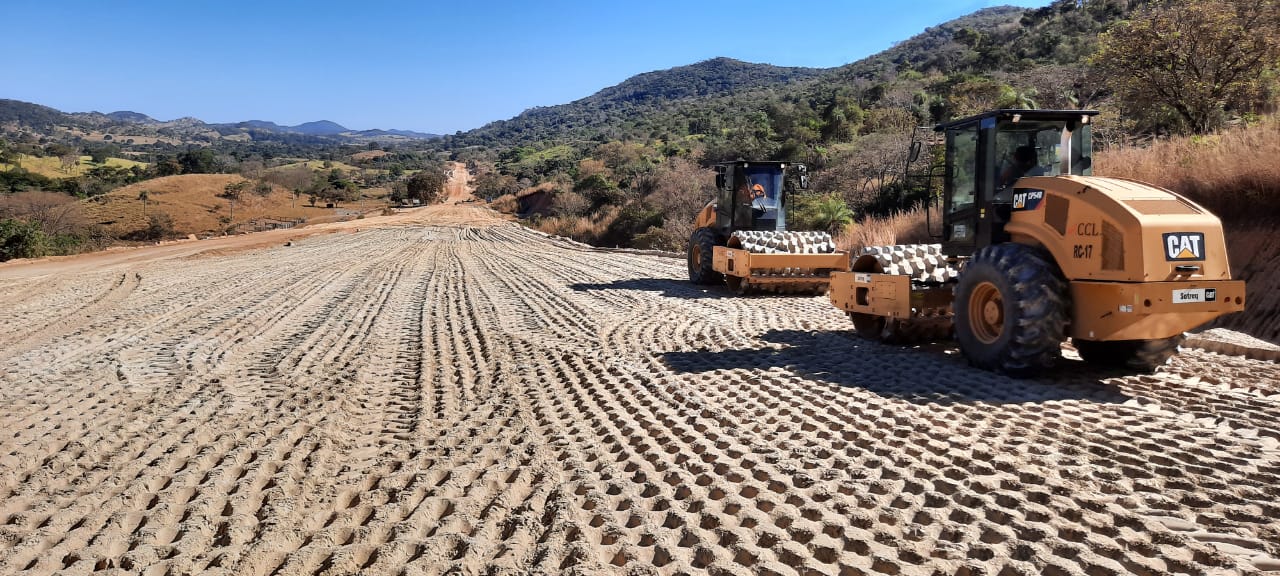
[[443, 391]]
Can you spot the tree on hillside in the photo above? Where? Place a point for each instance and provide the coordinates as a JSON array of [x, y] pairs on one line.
[[159, 225], [296, 179], [678, 189], [232, 192], [53, 213], [198, 161], [100, 154], [339, 187], [143, 195], [167, 167], [426, 186], [68, 161], [491, 184], [1198, 59], [252, 169]]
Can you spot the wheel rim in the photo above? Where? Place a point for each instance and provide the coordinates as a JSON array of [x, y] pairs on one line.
[[986, 312]]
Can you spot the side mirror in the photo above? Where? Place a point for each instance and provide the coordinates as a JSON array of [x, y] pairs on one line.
[[720, 180], [915, 152]]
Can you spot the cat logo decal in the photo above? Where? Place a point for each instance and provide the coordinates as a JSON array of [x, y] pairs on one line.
[[1180, 246]]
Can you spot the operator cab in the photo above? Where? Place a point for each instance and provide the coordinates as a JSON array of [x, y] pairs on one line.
[[986, 156], [752, 195]]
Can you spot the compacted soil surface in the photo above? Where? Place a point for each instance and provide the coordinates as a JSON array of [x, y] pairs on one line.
[[441, 391]]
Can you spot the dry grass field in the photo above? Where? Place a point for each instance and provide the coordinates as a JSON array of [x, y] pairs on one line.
[[193, 201], [320, 165], [51, 167]]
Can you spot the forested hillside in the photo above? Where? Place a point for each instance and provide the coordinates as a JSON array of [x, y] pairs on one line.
[[600, 159]]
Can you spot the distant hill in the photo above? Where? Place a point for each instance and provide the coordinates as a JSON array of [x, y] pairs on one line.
[[261, 124], [405, 133], [713, 77], [1032, 51], [601, 115], [30, 115], [16, 115], [320, 128], [134, 117]]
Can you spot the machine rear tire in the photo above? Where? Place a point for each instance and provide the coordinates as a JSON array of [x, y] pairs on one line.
[[1011, 310], [701, 252], [1142, 355]]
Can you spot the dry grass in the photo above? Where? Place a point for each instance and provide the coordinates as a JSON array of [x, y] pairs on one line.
[[319, 165], [506, 204], [193, 203], [909, 227], [587, 228], [1235, 174], [368, 155]]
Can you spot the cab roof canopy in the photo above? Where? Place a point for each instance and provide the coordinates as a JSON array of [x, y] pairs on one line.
[[1006, 113]]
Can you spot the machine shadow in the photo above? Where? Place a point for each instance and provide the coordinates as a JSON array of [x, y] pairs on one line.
[[667, 286], [932, 373], [677, 289]]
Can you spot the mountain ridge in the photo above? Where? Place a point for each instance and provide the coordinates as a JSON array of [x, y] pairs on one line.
[[45, 118]]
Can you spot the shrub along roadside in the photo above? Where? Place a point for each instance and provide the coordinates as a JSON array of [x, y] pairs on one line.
[[24, 239]]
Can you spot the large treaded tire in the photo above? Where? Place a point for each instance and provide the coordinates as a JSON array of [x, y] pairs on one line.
[[701, 252], [1141, 355], [1022, 310]]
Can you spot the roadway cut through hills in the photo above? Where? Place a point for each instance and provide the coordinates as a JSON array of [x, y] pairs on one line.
[[442, 390]]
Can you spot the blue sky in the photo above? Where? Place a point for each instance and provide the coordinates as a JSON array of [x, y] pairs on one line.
[[427, 66]]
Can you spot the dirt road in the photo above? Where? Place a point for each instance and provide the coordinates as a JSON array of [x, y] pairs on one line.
[[444, 391]]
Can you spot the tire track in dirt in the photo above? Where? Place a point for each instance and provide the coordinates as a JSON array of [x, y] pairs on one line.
[[479, 399], [151, 442]]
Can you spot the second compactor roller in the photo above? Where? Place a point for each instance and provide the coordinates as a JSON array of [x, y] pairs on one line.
[[741, 237]]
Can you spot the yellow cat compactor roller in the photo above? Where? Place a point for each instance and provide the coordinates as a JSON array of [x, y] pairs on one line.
[[1035, 249], [741, 237]]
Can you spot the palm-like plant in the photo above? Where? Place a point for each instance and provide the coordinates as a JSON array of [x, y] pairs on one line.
[[832, 214]]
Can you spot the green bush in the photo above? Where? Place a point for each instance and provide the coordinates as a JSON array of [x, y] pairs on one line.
[[159, 225], [660, 238], [23, 239], [826, 212], [634, 219]]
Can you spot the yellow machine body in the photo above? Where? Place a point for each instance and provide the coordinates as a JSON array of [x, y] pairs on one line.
[[762, 268], [707, 216], [888, 295], [1141, 262]]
